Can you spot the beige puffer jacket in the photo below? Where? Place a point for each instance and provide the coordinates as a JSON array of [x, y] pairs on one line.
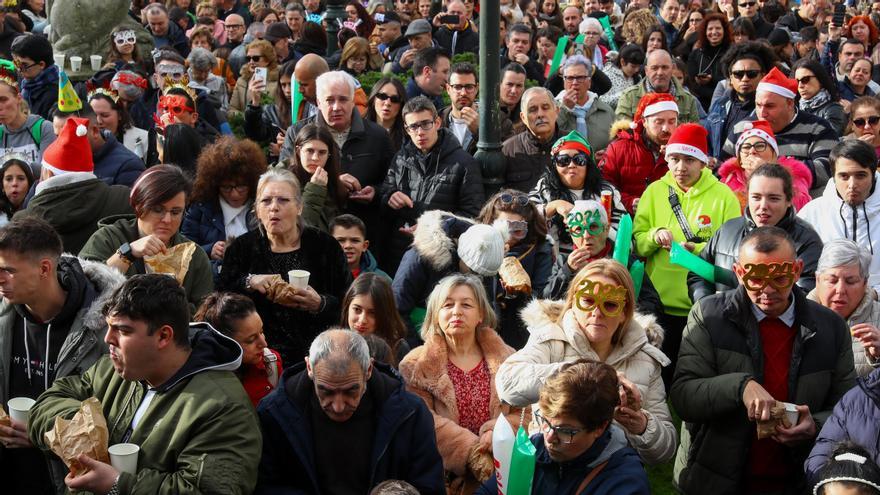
[[551, 345], [868, 311]]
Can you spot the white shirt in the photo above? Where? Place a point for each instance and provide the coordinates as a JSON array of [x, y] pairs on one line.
[[234, 219]]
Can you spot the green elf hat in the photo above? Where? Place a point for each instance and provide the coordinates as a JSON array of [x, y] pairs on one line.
[[572, 141]]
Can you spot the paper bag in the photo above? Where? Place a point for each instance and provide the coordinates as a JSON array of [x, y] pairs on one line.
[[174, 262], [514, 459], [85, 433], [514, 276], [767, 429], [4, 418], [280, 292]]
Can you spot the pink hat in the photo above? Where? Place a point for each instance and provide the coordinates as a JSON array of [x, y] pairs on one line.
[[761, 129], [691, 140], [71, 151], [776, 82]]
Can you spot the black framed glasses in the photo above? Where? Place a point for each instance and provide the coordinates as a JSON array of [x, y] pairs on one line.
[[518, 199], [424, 125], [234, 26], [21, 67], [464, 87], [565, 435], [565, 160], [872, 121], [394, 98], [759, 147], [575, 78], [239, 188], [743, 74]]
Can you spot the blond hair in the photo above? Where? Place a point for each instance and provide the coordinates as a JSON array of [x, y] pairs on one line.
[[431, 325], [615, 271]]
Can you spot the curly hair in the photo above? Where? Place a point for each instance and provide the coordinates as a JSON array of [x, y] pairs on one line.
[[703, 38], [228, 159], [753, 50], [637, 24], [267, 51], [203, 31]]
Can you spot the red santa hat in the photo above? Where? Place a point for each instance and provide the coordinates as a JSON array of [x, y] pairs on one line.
[[758, 128], [654, 103], [691, 140], [776, 82], [70, 152]]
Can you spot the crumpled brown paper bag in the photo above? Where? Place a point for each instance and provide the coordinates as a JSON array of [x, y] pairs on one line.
[[174, 262], [85, 433], [280, 292], [767, 429], [5, 420]]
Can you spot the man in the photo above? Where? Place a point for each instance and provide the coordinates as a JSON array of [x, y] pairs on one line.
[[429, 172], [634, 160], [579, 108], [408, 11], [658, 69], [351, 234], [519, 43], [527, 154], [781, 42], [235, 30], [28, 134], [177, 106], [70, 196], [363, 416], [430, 74], [460, 37], [745, 351], [850, 204], [165, 33], [513, 84], [462, 117], [113, 162], [279, 35], [806, 43], [225, 8], [32, 55], [306, 72], [41, 286], [170, 70], [746, 63], [803, 16], [571, 21], [848, 51], [418, 34], [749, 10], [168, 387], [294, 16], [769, 204], [800, 135], [668, 18], [390, 35]]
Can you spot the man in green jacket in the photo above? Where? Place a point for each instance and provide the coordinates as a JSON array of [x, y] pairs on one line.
[[658, 72], [745, 352], [167, 387]]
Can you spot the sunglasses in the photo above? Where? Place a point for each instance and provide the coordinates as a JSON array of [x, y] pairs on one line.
[[748, 4], [565, 160], [519, 199], [805, 79], [872, 120], [254, 58], [743, 74], [394, 98]]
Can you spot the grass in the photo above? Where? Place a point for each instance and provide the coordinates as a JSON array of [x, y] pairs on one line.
[[660, 476]]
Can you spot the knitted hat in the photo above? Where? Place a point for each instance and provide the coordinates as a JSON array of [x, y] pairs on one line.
[[691, 140], [481, 248], [758, 128], [776, 82], [571, 141], [70, 152], [654, 103]]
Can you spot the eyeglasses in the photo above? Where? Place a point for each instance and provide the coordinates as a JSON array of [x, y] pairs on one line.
[[592, 33], [22, 68], [872, 121], [759, 147], [747, 4], [235, 26], [239, 188], [254, 58], [160, 211], [425, 125], [743, 74], [565, 160], [575, 78], [566, 435], [695, 20], [394, 98], [805, 79], [463, 87], [518, 199]]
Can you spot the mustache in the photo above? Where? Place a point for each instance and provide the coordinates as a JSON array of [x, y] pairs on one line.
[[540, 121]]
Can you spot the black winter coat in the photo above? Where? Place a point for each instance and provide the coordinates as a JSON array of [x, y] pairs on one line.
[[467, 41], [526, 160]]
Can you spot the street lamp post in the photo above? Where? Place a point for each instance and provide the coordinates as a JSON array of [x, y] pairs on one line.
[[489, 145], [334, 15]]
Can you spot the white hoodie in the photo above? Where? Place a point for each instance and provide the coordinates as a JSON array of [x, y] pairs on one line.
[[833, 219]]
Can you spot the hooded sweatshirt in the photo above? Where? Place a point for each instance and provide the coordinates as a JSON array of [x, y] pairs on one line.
[[833, 219], [706, 206], [22, 140]]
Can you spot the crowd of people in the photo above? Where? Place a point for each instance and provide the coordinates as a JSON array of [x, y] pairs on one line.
[[276, 260]]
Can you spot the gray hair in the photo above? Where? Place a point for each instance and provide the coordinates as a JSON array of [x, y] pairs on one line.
[[155, 8], [590, 22], [523, 102], [577, 60], [201, 59], [279, 174], [844, 252], [431, 325], [340, 346], [325, 80]]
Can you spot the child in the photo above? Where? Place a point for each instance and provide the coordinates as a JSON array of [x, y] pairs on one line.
[[351, 233]]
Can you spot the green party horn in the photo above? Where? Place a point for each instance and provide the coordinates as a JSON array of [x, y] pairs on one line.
[[637, 272], [296, 102], [558, 54], [623, 244]]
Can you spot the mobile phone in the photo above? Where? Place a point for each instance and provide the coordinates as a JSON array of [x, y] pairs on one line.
[[839, 14], [261, 73], [449, 19]]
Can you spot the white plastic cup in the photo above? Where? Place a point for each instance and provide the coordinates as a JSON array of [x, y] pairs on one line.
[[96, 62], [299, 279], [791, 413], [124, 457], [76, 63], [20, 408], [59, 60]]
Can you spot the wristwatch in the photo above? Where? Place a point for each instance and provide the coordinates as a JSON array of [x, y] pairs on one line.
[[124, 252], [114, 490]]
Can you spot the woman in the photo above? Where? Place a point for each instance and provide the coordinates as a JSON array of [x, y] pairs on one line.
[[842, 287], [236, 317], [864, 121], [454, 372], [223, 196], [384, 108], [654, 39], [573, 176], [180, 145], [527, 242], [369, 309], [687, 35], [759, 146], [855, 84], [260, 54], [743, 30], [35, 10], [546, 39], [550, 8], [268, 123], [267, 16], [313, 40], [818, 93], [17, 180], [356, 57], [597, 321], [258, 262], [704, 67], [704, 204], [623, 72], [26, 133], [358, 15], [850, 469], [123, 49], [593, 51], [637, 24], [201, 37], [316, 164], [201, 64], [206, 13], [113, 117], [159, 200], [863, 29]]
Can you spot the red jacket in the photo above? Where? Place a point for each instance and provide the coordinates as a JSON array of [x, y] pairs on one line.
[[630, 165], [255, 379]]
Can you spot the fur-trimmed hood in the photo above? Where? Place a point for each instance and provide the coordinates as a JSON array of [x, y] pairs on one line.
[[106, 280], [622, 126], [436, 236]]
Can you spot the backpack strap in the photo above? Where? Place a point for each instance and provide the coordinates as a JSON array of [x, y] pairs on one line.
[[590, 477], [37, 131], [679, 216]]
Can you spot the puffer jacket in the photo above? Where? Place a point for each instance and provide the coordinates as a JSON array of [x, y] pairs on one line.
[[833, 112], [526, 159], [868, 311], [720, 352], [855, 418], [424, 370], [631, 162], [687, 103], [638, 356], [723, 250], [834, 219], [732, 174]]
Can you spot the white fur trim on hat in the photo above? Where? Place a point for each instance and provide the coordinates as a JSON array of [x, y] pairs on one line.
[[686, 149], [757, 133], [775, 88], [660, 106]]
